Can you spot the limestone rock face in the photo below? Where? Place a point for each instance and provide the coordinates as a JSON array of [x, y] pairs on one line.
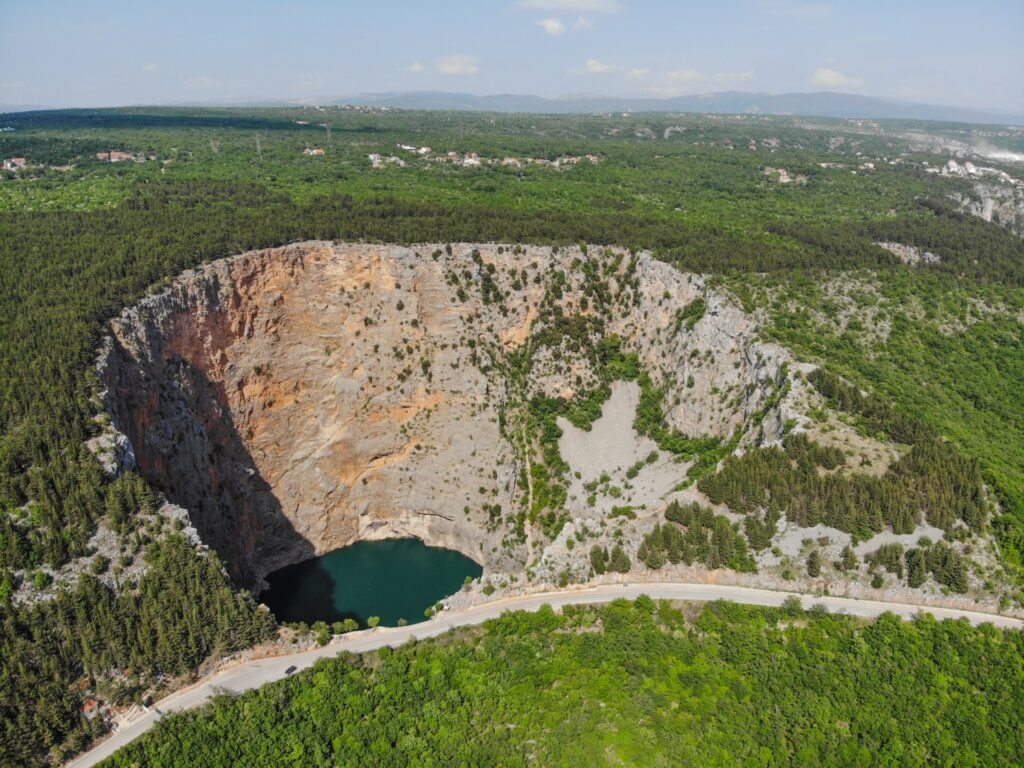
[[716, 374], [298, 399]]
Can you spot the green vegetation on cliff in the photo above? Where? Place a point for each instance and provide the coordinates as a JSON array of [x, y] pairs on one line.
[[939, 356]]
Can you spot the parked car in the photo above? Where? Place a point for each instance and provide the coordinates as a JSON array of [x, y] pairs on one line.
[[290, 669]]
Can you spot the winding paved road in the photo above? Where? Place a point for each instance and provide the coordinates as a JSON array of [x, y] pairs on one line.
[[253, 674]]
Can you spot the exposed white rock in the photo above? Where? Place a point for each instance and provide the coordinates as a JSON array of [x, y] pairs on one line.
[[910, 254]]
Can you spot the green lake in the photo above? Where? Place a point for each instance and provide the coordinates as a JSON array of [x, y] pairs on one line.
[[393, 579]]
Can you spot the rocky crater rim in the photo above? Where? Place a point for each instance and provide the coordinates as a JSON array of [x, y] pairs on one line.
[[298, 399]]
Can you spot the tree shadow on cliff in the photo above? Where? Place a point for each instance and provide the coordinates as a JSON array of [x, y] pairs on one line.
[[188, 446]]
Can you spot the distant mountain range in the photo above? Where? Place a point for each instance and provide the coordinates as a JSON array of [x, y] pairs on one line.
[[8, 108], [820, 104]]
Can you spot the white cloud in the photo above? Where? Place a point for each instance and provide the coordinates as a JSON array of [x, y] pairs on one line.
[[552, 26], [638, 72], [831, 78], [597, 67], [582, 23], [149, 67], [735, 77], [416, 68], [457, 64], [571, 6], [683, 75], [678, 82]]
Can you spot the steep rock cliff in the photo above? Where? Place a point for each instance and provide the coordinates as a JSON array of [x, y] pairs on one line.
[[298, 399]]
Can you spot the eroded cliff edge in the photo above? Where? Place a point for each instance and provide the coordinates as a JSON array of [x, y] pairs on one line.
[[298, 399]]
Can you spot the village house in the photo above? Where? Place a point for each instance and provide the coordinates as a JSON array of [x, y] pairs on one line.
[[313, 151], [90, 708], [114, 156], [379, 161], [785, 177], [13, 163]]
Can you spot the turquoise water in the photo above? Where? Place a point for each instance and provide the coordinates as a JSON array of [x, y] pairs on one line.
[[395, 579]]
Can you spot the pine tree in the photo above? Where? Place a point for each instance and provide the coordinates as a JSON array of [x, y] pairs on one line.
[[917, 568], [723, 543], [673, 543], [814, 563], [620, 562], [848, 561], [652, 549]]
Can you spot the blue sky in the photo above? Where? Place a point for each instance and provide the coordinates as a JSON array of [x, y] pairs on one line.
[[90, 53]]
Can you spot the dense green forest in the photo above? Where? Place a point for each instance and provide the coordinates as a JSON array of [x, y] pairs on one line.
[[951, 363], [932, 477], [181, 611], [81, 238], [639, 683]]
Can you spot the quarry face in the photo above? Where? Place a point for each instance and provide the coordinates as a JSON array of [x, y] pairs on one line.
[[298, 399]]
